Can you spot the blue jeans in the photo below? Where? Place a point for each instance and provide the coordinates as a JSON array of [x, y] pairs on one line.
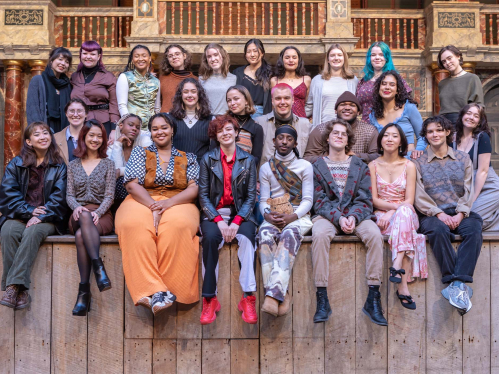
[[258, 113]]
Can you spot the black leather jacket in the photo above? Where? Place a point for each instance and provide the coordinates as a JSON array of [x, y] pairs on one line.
[[211, 184], [15, 186]]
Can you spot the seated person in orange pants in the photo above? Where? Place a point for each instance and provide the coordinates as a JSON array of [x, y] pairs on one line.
[[158, 221]]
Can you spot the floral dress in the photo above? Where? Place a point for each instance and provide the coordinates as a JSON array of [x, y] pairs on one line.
[[403, 225]]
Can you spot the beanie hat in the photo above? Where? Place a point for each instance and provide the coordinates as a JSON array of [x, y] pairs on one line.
[[348, 96]]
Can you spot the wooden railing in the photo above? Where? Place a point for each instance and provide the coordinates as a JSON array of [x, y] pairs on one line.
[[489, 18], [223, 17], [400, 31], [108, 26]]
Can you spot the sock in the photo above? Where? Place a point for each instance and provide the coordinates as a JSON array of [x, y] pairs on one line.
[[321, 289], [374, 288], [246, 294]]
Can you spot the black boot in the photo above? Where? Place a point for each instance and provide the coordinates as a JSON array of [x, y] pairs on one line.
[[103, 281], [82, 305], [323, 308], [373, 309]]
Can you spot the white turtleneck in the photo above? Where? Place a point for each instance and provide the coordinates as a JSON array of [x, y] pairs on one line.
[[270, 187]]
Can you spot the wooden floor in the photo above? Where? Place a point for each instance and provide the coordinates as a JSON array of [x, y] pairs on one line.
[[118, 337]]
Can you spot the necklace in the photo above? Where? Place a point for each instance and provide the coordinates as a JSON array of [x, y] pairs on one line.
[[190, 119], [458, 74], [465, 149], [86, 76]]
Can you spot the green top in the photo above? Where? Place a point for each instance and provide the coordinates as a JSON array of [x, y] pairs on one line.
[[454, 93]]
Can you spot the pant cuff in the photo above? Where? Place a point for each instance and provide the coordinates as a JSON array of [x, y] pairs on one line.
[[276, 296], [462, 278], [204, 294], [371, 282], [321, 283]]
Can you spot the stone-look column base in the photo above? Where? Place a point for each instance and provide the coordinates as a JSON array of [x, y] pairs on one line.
[[13, 110], [437, 74], [37, 67], [469, 67]]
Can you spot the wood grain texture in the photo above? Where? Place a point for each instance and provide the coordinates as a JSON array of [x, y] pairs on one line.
[[164, 353], [494, 308], [308, 355], [216, 356], [340, 329], [32, 325], [189, 356], [138, 356], [276, 355], [7, 348], [165, 324], [106, 318], [139, 321], [69, 333], [244, 355]]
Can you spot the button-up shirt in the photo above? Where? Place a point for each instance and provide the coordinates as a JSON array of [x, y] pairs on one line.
[[73, 139]]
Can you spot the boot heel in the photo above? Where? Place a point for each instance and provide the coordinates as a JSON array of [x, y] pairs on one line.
[[101, 278], [83, 300]]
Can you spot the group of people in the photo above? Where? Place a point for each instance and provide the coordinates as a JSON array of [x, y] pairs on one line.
[[263, 156]]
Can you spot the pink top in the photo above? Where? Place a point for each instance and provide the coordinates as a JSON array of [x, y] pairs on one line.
[[300, 96]]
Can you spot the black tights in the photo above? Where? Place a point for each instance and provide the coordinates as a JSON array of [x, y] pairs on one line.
[[87, 240]]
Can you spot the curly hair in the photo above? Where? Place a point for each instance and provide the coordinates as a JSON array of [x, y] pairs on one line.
[[483, 125], [168, 119], [202, 111], [280, 71], [219, 123], [329, 127], [401, 97], [346, 72], [443, 122], [166, 68], [205, 71]]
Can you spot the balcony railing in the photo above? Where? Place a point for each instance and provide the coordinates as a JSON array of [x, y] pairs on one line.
[[223, 17], [108, 26], [404, 31], [489, 18]]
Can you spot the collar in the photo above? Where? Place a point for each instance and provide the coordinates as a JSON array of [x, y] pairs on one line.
[[224, 156], [68, 134], [290, 157], [272, 117], [154, 149], [431, 155]]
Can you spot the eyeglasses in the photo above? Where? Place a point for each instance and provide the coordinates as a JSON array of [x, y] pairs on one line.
[[73, 112], [176, 54], [339, 134]]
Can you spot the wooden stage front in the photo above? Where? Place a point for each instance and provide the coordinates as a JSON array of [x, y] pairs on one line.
[[118, 337]]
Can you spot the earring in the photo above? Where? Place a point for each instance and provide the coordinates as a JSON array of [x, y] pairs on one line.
[[381, 149]]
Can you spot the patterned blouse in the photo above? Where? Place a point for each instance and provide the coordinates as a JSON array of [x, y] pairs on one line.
[[136, 167], [96, 188]]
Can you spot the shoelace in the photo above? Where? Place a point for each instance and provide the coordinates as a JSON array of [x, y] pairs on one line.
[[462, 296], [168, 297], [157, 298], [321, 301], [206, 307]]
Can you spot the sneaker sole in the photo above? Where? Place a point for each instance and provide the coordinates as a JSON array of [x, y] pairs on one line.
[[319, 320], [161, 309], [25, 305], [4, 303], [373, 321], [246, 319]]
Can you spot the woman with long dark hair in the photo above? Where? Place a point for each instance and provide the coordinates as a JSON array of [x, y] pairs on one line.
[[33, 206], [49, 92], [290, 69], [192, 114], [175, 67], [326, 88], [460, 88], [256, 76], [96, 86], [393, 104], [137, 89], [473, 137]]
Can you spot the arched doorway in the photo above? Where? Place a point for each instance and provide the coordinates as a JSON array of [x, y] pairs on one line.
[[492, 105]]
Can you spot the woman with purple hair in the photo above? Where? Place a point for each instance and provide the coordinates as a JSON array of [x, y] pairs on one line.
[[96, 86]]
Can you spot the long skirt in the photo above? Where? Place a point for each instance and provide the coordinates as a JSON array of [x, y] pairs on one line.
[[168, 261], [487, 203]]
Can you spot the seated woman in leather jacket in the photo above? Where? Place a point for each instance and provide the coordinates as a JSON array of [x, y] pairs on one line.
[[33, 206], [227, 193]]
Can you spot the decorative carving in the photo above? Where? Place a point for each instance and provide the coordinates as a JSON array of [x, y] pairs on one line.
[[23, 17], [456, 20], [339, 9], [145, 9]]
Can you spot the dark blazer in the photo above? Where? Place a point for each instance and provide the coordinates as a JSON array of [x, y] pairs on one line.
[[211, 184], [357, 198], [15, 186], [267, 98]]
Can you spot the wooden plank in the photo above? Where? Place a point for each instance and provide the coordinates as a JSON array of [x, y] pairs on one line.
[[138, 320], [32, 325], [340, 329], [308, 356], [371, 340], [477, 323], [220, 328], [165, 325], [189, 356], [494, 308], [215, 356], [244, 355], [7, 336], [444, 325], [69, 333], [304, 299], [276, 355], [138, 356], [164, 356], [240, 329], [106, 319]]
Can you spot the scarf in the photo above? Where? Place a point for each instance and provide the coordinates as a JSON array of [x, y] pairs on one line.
[[287, 179], [56, 101]]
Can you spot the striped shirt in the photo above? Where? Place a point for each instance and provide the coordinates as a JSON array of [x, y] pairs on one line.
[[339, 172]]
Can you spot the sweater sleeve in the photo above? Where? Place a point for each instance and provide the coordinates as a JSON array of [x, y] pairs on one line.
[[417, 123], [35, 108], [476, 91], [307, 191], [70, 190], [372, 150], [117, 156], [109, 193], [314, 146], [257, 141], [264, 179], [309, 105], [122, 94]]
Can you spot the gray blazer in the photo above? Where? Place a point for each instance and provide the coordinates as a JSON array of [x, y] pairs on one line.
[[36, 101]]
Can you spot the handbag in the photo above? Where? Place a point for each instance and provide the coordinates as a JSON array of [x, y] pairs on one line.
[[281, 204]]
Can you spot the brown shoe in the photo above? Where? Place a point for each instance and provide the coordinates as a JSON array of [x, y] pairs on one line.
[[23, 300], [285, 306], [10, 296], [270, 306], [145, 301]]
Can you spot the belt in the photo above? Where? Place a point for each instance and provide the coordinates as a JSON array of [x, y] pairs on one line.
[[97, 107]]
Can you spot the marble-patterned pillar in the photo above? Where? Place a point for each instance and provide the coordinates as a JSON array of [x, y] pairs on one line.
[[37, 67], [438, 74], [13, 109]]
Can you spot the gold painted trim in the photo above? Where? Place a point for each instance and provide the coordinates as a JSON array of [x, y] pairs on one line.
[[13, 65]]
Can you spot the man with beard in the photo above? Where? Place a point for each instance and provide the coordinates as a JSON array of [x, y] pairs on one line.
[[366, 135]]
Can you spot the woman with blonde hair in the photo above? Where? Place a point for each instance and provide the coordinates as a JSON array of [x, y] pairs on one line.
[[215, 78], [336, 78]]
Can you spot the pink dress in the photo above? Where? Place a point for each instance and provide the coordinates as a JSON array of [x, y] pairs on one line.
[[403, 225]]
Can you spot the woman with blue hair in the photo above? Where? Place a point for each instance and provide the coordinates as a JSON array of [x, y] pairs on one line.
[[378, 61]]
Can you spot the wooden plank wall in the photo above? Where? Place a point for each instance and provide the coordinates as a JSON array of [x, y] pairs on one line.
[[117, 337]]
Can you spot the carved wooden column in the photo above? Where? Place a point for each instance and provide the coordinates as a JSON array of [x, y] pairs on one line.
[[437, 74], [13, 110], [469, 67], [37, 67]]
